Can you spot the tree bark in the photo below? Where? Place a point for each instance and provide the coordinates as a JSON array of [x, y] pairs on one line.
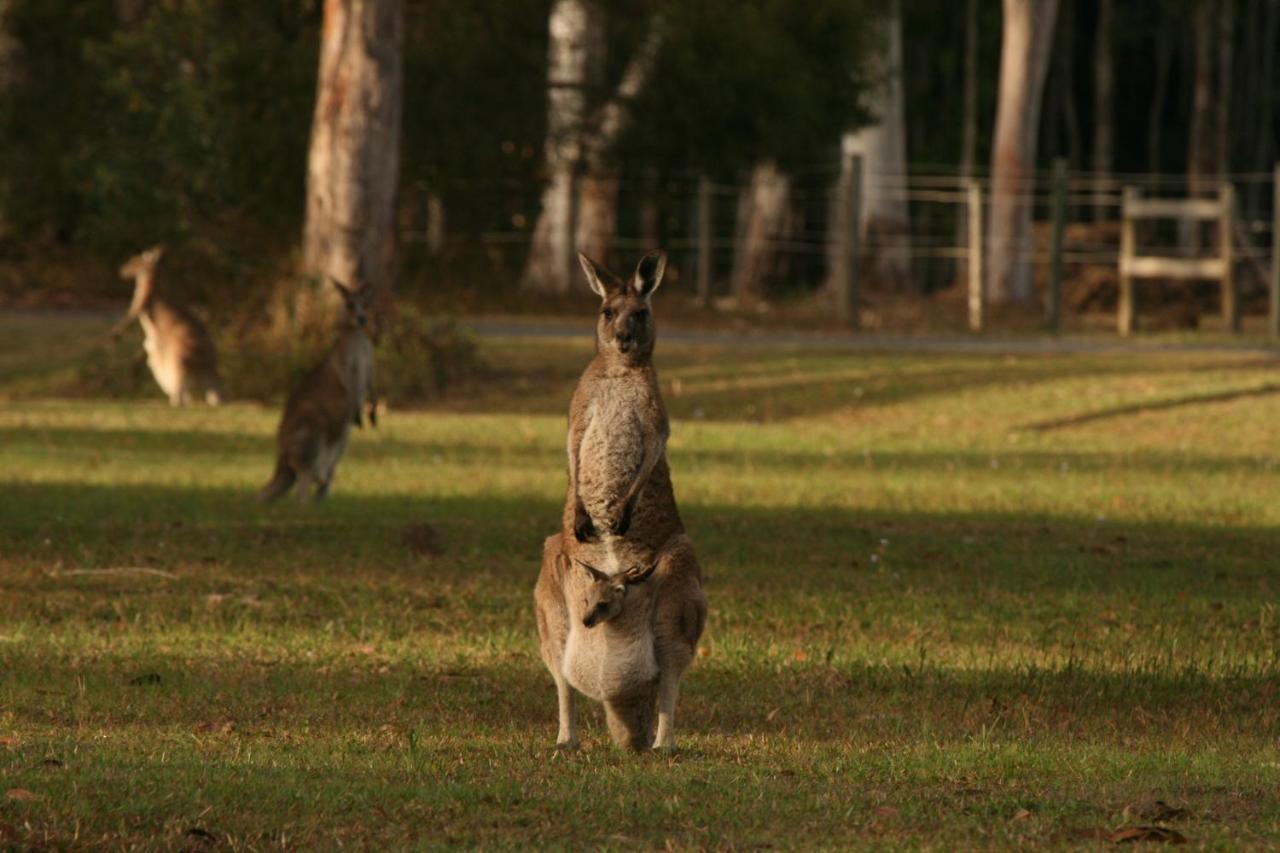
[[969, 107], [1024, 60], [886, 221], [1200, 159], [354, 164], [1103, 110], [573, 66], [762, 216], [598, 191], [1226, 32]]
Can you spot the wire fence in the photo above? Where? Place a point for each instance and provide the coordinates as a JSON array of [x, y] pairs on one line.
[[1078, 218]]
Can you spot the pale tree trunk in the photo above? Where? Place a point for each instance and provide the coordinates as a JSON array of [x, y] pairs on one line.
[[1226, 32], [886, 223], [969, 129], [598, 192], [763, 213], [1200, 159], [1103, 106], [1024, 60], [354, 163], [573, 65]]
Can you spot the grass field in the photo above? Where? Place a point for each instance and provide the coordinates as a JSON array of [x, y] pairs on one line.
[[956, 601]]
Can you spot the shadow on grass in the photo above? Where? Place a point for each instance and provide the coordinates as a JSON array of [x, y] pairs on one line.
[[1201, 399]]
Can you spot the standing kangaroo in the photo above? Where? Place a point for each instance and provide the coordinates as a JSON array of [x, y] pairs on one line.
[[322, 407], [179, 350], [622, 541]]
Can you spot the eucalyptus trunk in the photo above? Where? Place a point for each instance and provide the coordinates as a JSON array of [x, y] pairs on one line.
[[354, 162], [1024, 60]]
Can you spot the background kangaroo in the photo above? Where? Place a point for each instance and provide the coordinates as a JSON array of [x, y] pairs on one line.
[[620, 512], [180, 352], [323, 406]]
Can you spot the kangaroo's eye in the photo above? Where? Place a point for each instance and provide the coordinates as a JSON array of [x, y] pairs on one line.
[[641, 316], [608, 313]]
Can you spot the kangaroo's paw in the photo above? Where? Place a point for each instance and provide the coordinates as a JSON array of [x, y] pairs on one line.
[[583, 529], [623, 524]]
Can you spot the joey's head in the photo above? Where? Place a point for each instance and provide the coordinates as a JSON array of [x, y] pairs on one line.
[[355, 305], [625, 325], [607, 593]]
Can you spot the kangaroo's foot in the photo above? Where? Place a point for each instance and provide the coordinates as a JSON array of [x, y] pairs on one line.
[[567, 738], [668, 693]]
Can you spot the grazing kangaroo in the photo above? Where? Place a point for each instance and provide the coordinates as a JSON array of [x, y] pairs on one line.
[[322, 407], [180, 352], [620, 513]]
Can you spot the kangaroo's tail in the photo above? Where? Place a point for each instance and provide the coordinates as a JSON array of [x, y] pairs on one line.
[[633, 720], [281, 482]]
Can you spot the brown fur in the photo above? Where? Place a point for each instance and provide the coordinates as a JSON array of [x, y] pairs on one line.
[[320, 411], [620, 512], [179, 350]]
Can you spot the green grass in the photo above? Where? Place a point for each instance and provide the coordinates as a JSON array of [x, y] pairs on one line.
[[956, 601]]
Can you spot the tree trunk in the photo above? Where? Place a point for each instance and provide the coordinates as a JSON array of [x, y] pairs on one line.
[[354, 164], [1264, 123], [762, 216], [1024, 60], [969, 129], [1103, 110], [886, 222], [1226, 32], [573, 65], [598, 192], [1200, 159]]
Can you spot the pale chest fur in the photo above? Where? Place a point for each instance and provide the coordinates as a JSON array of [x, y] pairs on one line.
[[613, 444], [164, 361], [355, 366]]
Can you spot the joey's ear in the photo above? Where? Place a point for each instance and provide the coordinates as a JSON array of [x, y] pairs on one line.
[[596, 574], [649, 273], [596, 277], [346, 294], [639, 574]]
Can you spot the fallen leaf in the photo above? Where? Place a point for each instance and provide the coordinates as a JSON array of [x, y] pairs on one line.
[[9, 740], [772, 715], [22, 795], [1161, 834], [801, 654], [886, 811], [1021, 814], [704, 651]]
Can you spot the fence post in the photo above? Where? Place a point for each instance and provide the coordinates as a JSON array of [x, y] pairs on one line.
[[704, 240], [1125, 315], [1053, 304], [1226, 237], [973, 194], [1275, 254], [851, 201]]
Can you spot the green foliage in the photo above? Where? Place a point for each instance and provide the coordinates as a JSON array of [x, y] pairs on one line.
[[419, 356], [740, 81]]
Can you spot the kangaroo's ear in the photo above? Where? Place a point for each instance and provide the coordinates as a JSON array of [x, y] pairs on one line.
[[596, 276], [649, 273], [342, 288], [639, 574], [596, 574]]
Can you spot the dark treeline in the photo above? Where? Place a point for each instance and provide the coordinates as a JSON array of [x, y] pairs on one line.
[[187, 121]]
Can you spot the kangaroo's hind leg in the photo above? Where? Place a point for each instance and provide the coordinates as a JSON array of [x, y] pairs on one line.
[[553, 633], [679, 619]]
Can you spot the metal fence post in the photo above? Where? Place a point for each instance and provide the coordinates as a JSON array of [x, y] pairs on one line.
[[704, 240], [1053, 302], [1226, 236], [1275, 254], [847, 300], [973, 194]]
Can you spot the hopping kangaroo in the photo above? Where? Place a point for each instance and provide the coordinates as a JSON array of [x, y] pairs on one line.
[[179, 350], [619, 598], [322, 407]]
